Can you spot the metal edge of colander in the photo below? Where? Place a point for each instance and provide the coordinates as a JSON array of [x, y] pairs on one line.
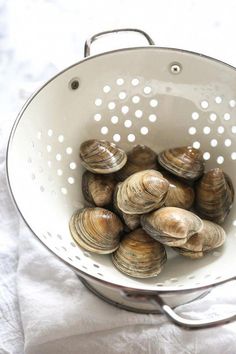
[[75, 269]]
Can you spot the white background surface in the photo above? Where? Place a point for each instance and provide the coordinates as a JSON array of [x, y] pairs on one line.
[[37, 39]]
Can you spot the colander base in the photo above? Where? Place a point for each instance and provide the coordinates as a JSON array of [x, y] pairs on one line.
[[116, 298]]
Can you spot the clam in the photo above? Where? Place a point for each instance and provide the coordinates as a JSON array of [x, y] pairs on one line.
[[180, 194], [101, 156], [96, 229], [185, 162], [140, 158], [139, 255], [211, 236], [132, 221], [98, 189], [141, 192], [171, 226], [214, 195]]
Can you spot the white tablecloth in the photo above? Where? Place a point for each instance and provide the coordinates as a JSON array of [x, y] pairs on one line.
[[43, 307]]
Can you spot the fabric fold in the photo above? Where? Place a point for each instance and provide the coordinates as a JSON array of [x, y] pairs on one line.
[[60, 315]]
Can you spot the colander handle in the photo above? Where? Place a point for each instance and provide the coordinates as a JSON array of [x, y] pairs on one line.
[[191, 323], [186, 323], [90, 40]]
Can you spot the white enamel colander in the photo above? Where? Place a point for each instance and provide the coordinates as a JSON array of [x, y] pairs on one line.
[[160, 97]]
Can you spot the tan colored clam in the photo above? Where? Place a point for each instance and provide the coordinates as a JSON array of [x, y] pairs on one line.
[[210, 237], [131, 220], [185, 162], [98, 189], [141, 192], [180, 194], [171, 226], [96, 229], [140, 158], [139, 255], [101, 156], [214, 195]]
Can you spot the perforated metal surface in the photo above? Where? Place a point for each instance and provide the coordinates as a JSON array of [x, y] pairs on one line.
[[129, 97]]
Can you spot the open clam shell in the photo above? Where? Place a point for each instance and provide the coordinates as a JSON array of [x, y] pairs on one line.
[[214, 195], [171, 226], [141, 192], [140, 158], [98, 189], [96, 229], [211, 236], [101, 156], [180, 194], [139, 255], [185, 162]]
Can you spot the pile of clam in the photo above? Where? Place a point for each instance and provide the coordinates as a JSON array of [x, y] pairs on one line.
[[140, 202]]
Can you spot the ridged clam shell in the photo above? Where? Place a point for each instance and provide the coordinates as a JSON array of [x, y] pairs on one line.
[[132, 221], [180, 194], [101, 156], [96, 229], [185, 162], [210, 237], [214, 195], [98, 189], [141, 192], [139, 255], [140, 158], [171, 226]]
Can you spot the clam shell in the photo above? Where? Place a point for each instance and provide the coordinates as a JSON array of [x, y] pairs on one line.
[[139, 255], [96, 229], [132, 221], [101, 156], [211, 236], [214, 195], [141, 192], [171, 226], [140, 158], [185, 162], [180, 194], [98, 189]]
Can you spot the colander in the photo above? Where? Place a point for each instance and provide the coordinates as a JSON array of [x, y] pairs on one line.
[[161, 97]]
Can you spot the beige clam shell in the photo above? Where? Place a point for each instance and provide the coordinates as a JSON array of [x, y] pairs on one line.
[[141, 192], [98, 189], [101, 156], [132, 221], [214, 195], [140, 158], [185, 162], [171, 226], [139, 255], [210, 237], [96, 229], [180, 194]]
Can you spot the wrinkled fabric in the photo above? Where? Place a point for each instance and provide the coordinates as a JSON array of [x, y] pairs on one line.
[[11, 333], [44, 308], [60, 315]]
